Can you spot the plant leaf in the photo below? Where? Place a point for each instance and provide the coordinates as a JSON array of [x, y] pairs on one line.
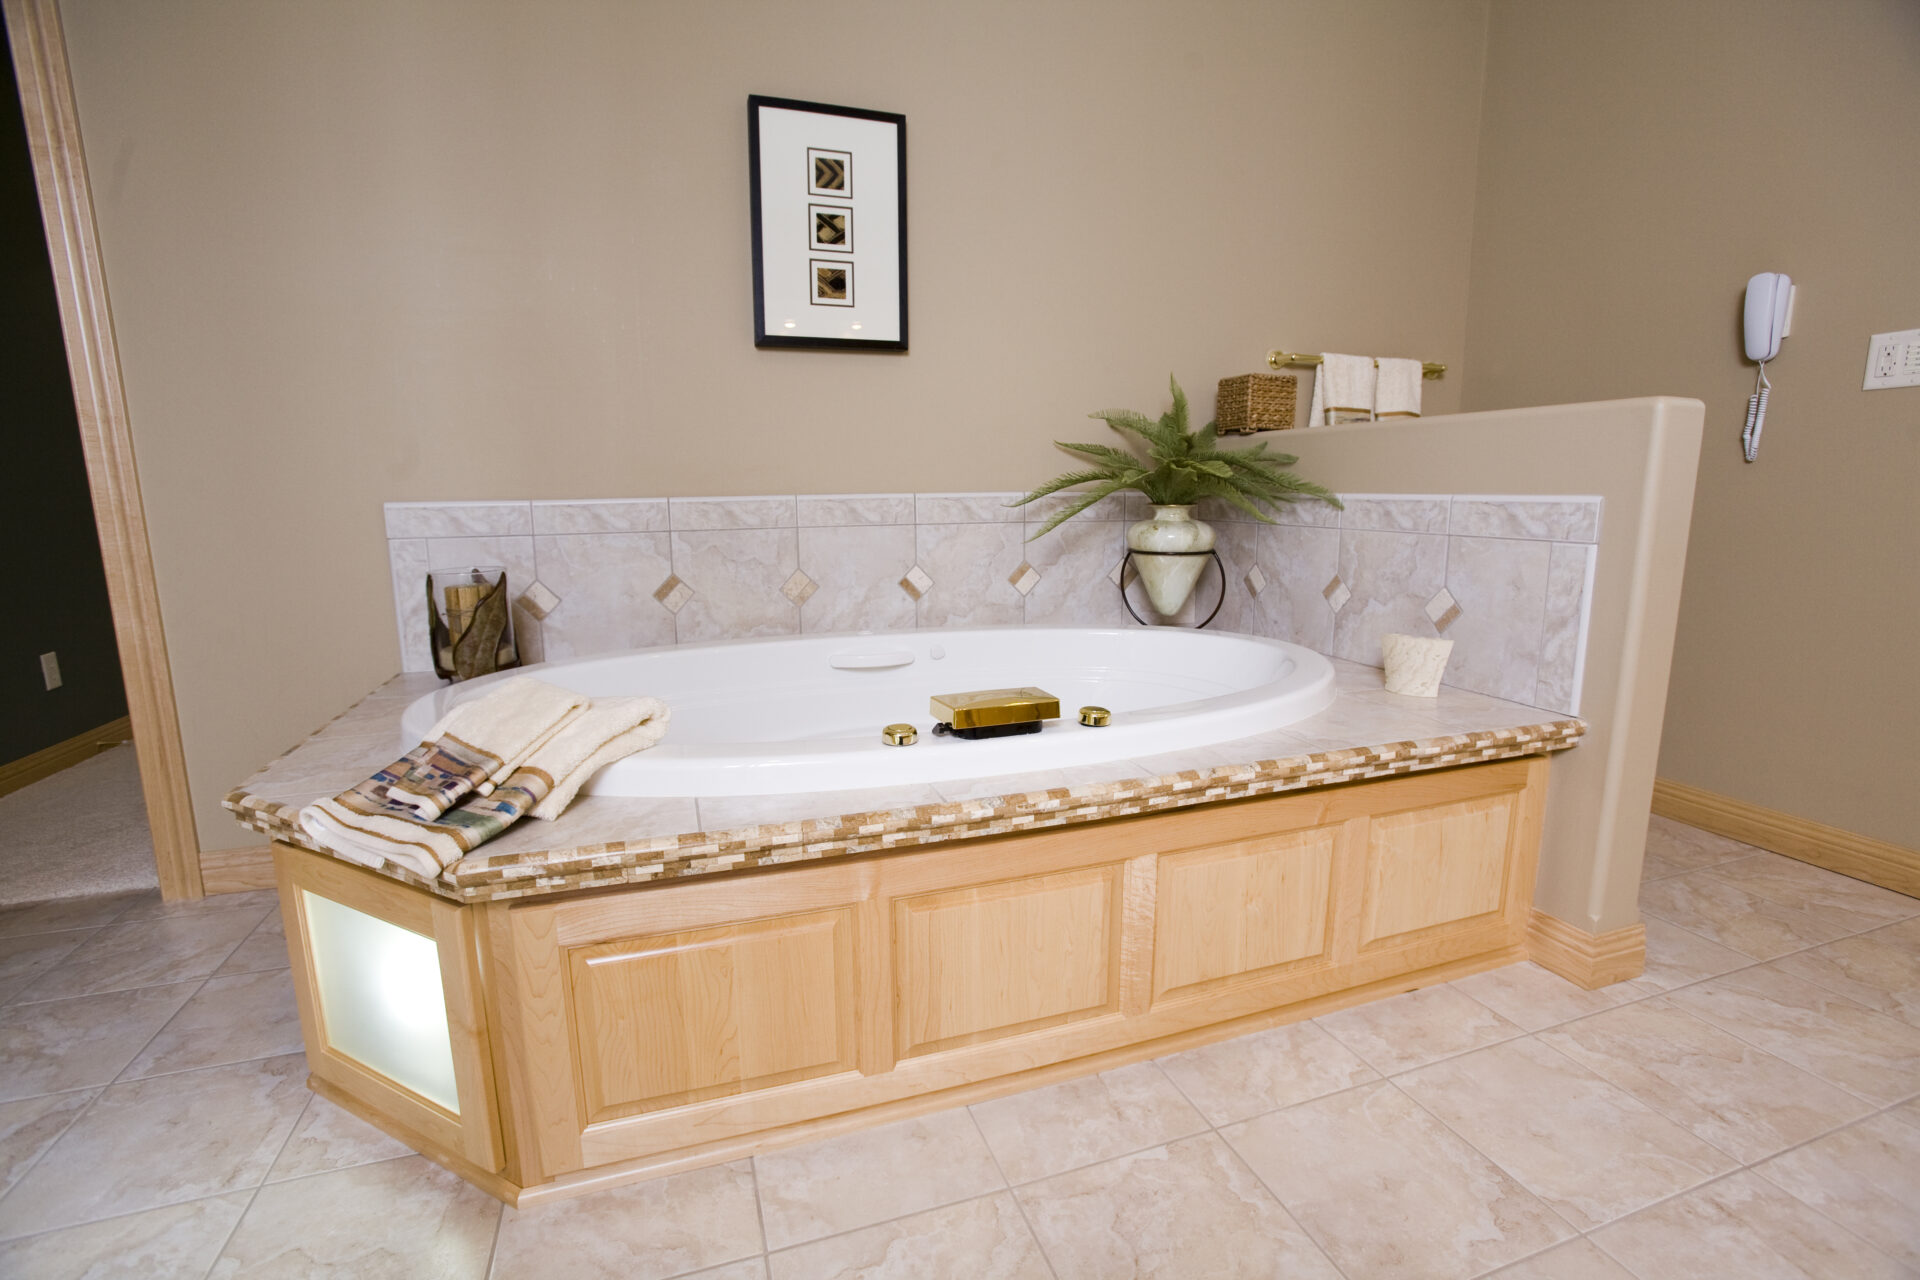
[[1227, 493], [1127, 420], [1088, 499], [1066, 481], [1105, 452]]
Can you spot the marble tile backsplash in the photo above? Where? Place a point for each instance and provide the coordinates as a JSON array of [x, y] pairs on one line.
[[1507, 578]]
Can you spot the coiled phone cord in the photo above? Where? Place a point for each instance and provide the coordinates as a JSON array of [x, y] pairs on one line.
[[1756, 415]]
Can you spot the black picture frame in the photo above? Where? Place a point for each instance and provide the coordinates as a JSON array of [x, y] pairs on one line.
[[819, 157]]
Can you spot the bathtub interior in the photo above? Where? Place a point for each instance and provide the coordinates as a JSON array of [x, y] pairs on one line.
[[806, 713]]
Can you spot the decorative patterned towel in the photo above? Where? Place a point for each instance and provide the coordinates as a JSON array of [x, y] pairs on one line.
[[425, 845], [474, 747], [368, 830]]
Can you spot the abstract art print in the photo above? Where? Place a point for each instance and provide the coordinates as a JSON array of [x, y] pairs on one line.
[[818, 173], [832, 227], [832, 283]]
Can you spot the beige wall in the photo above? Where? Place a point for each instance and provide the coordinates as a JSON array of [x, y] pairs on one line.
[[370, 251], [1635, 171]]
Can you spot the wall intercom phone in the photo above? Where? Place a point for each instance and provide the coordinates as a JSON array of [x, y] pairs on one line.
[[1769, 319]]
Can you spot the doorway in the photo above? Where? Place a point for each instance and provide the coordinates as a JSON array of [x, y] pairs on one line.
[[52, 140]]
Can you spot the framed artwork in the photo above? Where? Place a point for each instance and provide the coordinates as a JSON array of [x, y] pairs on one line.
[[829, 225]]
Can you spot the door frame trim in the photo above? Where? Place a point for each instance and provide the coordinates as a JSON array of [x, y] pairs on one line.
[[93, 361]]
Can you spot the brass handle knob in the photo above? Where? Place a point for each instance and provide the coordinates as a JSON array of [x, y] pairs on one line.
[[899, 735], [1095, 717]]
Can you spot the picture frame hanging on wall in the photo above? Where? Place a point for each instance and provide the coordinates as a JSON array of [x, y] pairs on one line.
[[829, 189]]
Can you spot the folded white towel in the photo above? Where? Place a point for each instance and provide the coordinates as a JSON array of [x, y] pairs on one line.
[[376, 832], [1396, 392], [612, 729], [478, 743], [1342, 390]]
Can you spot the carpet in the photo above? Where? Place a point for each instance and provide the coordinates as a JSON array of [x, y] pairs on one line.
[[82, 831]]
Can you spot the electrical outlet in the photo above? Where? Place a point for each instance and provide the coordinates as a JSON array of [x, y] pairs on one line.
[[1893, 360], [50, 669]]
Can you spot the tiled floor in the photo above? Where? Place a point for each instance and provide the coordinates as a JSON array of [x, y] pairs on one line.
[[1748, 1108]]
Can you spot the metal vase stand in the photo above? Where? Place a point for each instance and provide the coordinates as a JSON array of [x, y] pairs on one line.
[[1220, 600]]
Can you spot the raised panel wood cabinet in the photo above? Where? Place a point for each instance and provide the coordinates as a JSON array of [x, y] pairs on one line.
[[1246, 907], [674, 1018], [982, 963], [1437, 865], [621, 1033]]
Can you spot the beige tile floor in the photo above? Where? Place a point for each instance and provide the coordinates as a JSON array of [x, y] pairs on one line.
[[1748, 1108]]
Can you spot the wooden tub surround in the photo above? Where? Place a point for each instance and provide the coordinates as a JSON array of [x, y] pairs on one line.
[[785, 980]]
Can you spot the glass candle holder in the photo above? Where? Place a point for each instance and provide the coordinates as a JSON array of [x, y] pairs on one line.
[[471, 621]]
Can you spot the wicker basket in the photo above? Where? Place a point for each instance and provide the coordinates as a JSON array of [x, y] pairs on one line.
[[1256, 402]]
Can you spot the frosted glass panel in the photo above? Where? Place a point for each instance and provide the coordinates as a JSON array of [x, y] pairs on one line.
[[380, 998]]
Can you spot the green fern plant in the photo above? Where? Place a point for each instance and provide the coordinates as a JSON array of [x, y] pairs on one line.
[[1182, 466]]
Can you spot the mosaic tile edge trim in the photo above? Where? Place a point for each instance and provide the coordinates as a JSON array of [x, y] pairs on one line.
[[480, 878]]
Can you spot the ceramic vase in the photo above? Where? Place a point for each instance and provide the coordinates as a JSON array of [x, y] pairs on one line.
[[1169, 578]]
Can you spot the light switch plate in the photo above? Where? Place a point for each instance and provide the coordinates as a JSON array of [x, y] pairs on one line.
[[1893, 360], [50, 670]]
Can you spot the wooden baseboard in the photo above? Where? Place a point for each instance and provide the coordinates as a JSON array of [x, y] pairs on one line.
[[1590, 960], [488, 1181], [48, 761], [1891, 866], [237, 870]]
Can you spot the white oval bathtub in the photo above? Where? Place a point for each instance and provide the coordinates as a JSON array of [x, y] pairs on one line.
[[763, 717]]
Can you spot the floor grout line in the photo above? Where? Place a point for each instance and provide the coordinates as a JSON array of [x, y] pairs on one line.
[[21, 1178], [493, 1242], [1518, 1181], [759, 1207], [1018, 1206], [1306, 1229], [884, 1222], [116, 1217], [260, 1186], [103, 1086]]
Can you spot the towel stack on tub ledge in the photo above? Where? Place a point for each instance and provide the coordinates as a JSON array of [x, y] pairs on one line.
[[604, 841], [596, 1000]]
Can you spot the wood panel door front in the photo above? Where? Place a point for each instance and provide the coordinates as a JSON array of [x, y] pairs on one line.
[[1233, 911], [675, 1018], [1438, 865], [979, 963]]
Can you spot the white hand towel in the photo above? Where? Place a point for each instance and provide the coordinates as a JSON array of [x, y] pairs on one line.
[[1397, 390], [612, 729], [478, 744], [1342, 390], [512, 720]]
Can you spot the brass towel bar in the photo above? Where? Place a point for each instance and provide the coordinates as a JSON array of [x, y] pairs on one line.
[[1277, 359]]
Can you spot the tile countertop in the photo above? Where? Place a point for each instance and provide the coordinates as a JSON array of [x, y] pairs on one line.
[[613, 840]]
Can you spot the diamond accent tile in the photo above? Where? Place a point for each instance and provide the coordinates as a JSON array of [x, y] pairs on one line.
[[539, 600], [1123, 574], [1256, 580], [1443, 609], [673, 593], [916, 583], [1337, 593], [1025, 578], [798, 587]]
